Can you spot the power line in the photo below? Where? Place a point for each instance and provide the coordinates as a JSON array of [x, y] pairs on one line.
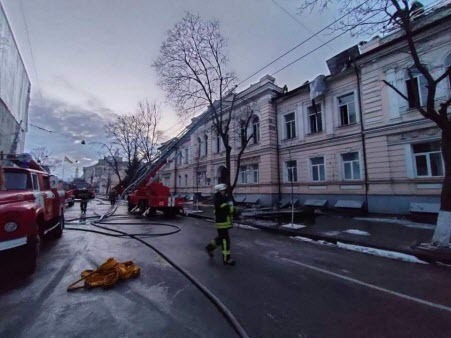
[[31, 49], [298, 21], [300, 44], [31, 124]]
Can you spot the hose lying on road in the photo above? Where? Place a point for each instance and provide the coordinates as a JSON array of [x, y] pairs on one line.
[[100, 223]]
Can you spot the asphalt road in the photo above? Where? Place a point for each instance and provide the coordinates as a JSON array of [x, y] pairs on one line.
[[279, 288]]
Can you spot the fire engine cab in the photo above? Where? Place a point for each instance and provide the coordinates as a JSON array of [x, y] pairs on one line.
[[30, 210]]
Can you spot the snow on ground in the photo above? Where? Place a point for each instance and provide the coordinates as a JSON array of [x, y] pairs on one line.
[[381, 253], [365, 250], [189, 211], [293, 226], [244, 226], [357, 232], [403, 222]]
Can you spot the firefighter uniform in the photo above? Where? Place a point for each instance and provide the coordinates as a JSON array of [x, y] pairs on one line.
[[224, 211]]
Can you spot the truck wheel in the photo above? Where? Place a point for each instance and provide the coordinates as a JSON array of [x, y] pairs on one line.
[[30, 259], [170, 212], [58, 231]]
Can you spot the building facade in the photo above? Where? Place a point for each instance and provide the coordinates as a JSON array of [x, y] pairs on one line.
[[345, 140], [15, 90], [102, 175]]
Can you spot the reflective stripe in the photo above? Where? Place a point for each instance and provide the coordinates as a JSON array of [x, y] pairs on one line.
[[13, 243], [224, 205], [224, 225]]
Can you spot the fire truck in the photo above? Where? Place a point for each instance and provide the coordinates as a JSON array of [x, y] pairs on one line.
[[31, 209], [146, 194]]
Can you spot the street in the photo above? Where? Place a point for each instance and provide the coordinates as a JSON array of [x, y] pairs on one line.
[[280, 287]]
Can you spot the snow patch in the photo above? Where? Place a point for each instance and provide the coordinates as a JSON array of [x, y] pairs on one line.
[[381, 253], [193, 211], [402, 222], [244, 226], [357, 232], [309, 240], [293, 226]]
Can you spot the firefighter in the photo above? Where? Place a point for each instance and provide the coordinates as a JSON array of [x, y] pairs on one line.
[[113, 196], [84, 196], [224, 211]]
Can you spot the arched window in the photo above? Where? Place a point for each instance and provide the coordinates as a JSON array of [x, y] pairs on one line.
[[448, 66], [243, 133], [199, 147], [416, 87], [256, 129], [218, 143], [205, 144]]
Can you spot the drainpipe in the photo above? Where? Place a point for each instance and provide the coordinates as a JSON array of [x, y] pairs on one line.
[[362, 134], [175, 170], [277, 151]]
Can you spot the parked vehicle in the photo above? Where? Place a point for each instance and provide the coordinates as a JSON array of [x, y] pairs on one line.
[[30, 210]]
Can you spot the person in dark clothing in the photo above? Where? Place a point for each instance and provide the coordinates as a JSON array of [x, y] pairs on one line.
[[84, 196], [224, 211], [113, 196]]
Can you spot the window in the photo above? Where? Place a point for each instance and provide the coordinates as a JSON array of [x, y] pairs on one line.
[[346, 104], [256, 129], [316, 123], [205, 145], [318, 170], [416, 88], [199, 147], [243, 133], [351, 166], [46, 183], [179, 158], [249, 173], [290, 126], [428, 159], [167, 180], [201, 178], [186, 155], [16, 181], [34, 179], [218, 143], [180, 180], [186, 180], [291, 171]]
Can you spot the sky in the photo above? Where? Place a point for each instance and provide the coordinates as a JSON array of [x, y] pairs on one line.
[[89, 60]]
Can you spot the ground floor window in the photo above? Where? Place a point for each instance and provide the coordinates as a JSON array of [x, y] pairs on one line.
[[351, 166], [201, 178], [249, 174], [318, 169], [291, 171], [428, 159]]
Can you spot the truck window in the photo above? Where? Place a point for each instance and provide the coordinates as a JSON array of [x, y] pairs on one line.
[[34, 179], [45, 183], [17, 181]]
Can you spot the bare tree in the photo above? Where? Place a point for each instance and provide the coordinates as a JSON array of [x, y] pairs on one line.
[[124, 133], [44, 157], [193, 71], [112, 159], [389, 15], [149, 137]]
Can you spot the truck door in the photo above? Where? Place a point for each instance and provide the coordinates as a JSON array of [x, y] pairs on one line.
[[38, 196], [49, 196]]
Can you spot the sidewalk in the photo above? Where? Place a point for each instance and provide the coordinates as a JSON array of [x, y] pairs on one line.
[[391, 234]]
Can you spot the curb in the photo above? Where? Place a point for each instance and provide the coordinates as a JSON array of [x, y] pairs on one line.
[[421, 255]]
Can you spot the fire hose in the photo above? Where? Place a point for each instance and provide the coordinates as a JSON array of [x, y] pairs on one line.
[[100, 223]]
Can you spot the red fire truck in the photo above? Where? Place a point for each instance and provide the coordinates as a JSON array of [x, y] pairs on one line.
[[30, 210], [145, 194]]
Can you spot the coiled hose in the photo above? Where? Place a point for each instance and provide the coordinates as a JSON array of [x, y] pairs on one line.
[[98, 222]]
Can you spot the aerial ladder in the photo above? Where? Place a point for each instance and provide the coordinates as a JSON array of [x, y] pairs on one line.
[[145, 194]]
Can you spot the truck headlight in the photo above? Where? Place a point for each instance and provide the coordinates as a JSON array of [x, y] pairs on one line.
[[10, 227]]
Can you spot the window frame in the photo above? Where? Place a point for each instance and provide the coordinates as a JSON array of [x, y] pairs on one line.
[[340, 118], [428, 160], [343, 170], [292, 127], [418, 78], [312, 166], [256, 129], [294, 174], [311, 112], [249, 174]]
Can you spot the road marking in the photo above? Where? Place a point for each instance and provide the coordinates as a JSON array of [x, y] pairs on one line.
[[371, 286]]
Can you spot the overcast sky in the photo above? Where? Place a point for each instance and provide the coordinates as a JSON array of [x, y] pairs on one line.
[[92, 57]]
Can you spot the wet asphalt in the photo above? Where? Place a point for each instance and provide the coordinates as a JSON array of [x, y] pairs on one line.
[[279, 288]]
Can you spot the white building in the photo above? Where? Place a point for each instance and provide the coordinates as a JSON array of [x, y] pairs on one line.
[[102, 175], [15, 90]]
